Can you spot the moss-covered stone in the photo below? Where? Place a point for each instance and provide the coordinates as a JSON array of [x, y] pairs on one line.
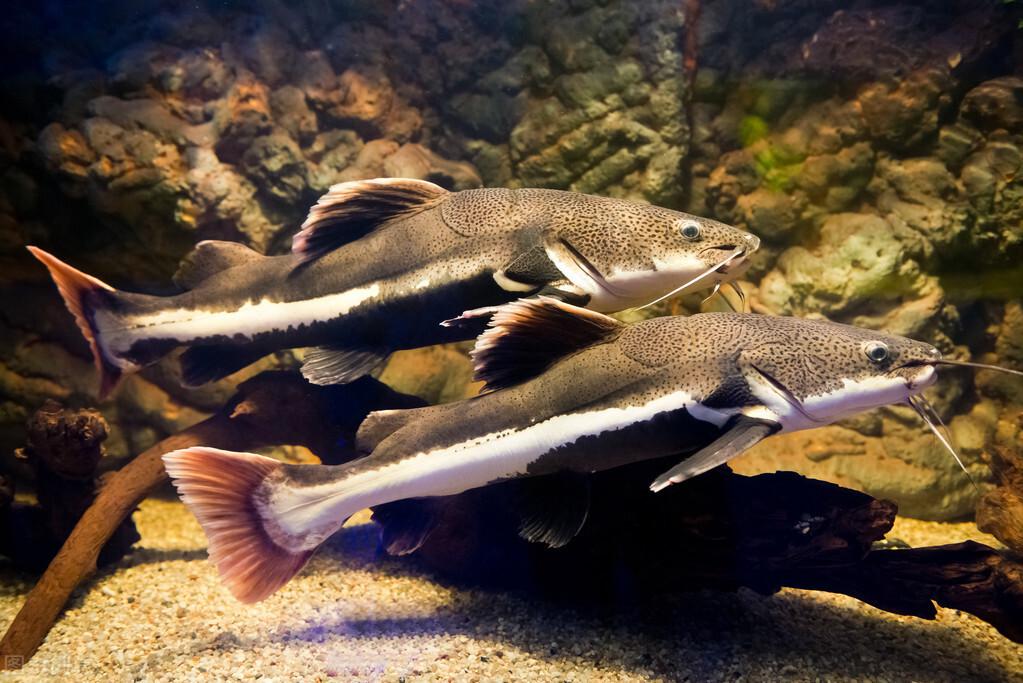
[[995, 104], [902, 116], [858, 258], [277, 167], [771, 214]]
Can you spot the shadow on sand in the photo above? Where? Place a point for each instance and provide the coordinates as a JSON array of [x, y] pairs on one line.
[[706, 634]]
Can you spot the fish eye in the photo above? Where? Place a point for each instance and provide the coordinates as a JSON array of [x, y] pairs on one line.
[[690, 230], [876, 351]]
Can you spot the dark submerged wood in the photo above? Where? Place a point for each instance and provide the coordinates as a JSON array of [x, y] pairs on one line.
[[724, 531]]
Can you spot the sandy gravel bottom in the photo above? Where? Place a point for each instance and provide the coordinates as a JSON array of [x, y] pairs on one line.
[[161, 615]]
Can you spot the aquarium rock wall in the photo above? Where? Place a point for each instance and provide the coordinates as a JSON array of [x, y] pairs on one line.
[[876, 148]]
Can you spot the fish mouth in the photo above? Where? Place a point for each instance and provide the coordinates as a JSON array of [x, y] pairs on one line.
[[918, 374], [923, 377], [733, 256]]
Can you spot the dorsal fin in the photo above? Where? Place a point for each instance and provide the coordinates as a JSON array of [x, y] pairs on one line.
[[527, 336], [210, 257], [352, 210]]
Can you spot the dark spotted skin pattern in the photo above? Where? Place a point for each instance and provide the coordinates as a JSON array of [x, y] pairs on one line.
[[600, 377], [809, 357], [613, 234], [456, 246], [708, 356]]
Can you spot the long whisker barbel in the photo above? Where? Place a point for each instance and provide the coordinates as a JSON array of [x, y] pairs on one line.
[[734, 286], [737, 288], [968, 364], [933, 412], [717, 288], [710, 271], [913, 401]]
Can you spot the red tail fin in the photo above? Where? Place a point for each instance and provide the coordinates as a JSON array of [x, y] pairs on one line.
[[224, 491], [75, 287]]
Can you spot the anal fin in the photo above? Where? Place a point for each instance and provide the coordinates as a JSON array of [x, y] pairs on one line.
[[554, 507], [741, 434], [325, 365], [406, 524]]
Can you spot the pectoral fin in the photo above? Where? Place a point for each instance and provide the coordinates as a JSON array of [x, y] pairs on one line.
[[561, 294], [474, 316], [575, 266], [554, 507], [742, 433], [480, 316]]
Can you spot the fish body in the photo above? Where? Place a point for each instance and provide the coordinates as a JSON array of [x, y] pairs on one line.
[[379, 264], [571, 392]]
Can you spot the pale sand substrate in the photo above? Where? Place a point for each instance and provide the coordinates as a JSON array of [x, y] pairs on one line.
[[161, 615]]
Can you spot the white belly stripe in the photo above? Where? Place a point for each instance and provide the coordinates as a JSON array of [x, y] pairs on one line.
[[464, 465], [184, 324], [254, 317]]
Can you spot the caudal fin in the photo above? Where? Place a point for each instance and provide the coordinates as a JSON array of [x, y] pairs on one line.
[[84, 296], [260, 534]]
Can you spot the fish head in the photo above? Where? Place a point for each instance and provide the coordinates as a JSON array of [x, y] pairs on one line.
[[630, 254], [808, 373]]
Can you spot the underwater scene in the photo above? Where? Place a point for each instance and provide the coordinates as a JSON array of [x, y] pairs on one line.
[[523, 340]]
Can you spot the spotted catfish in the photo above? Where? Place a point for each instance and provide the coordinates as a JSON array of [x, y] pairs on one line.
[[379, 263], [570, 392]]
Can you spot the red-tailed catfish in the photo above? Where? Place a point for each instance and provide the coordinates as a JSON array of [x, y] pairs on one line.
[[380, 263], [570, 392]]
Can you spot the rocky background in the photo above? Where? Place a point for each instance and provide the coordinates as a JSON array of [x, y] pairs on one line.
[[874, 146]]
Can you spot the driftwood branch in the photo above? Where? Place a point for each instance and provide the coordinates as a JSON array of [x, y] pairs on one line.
[[76, 560], [273, 408], [724, 531]]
